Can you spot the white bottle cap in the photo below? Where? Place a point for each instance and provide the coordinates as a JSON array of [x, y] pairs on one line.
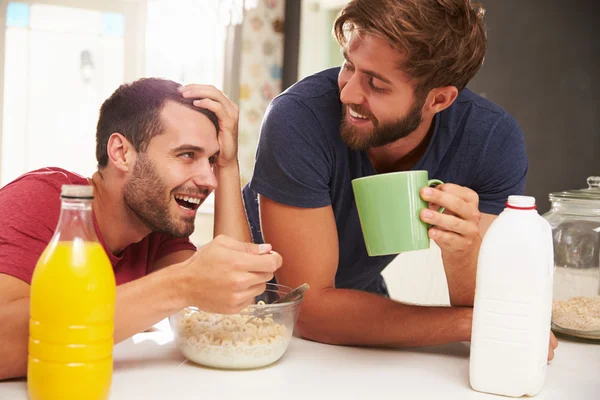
[[77, 192], [521, 202]]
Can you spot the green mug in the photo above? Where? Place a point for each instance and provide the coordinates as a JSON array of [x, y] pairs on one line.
[[389, 207]]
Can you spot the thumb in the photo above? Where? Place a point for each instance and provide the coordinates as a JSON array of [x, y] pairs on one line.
[[246, 247], [263, 248]]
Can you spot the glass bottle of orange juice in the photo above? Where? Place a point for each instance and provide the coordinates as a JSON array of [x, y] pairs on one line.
[[72, 308]]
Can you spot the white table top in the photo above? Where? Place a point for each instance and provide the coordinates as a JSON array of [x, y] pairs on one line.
[[148, 366]]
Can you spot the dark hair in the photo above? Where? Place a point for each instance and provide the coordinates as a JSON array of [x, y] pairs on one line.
[[444, 40], [133, 110]]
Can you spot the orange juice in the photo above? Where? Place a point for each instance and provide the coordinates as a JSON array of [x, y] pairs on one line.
[[71, 317]]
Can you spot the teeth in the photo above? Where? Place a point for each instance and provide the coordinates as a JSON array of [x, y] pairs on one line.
[[355, 114], [194, 200]]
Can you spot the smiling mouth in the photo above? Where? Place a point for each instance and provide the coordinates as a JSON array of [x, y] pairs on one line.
[[356, 115], [188, 202]]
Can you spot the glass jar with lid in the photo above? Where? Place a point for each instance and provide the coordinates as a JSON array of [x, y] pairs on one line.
[[575, 220]]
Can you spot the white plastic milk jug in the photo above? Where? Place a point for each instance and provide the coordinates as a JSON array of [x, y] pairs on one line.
[[513, 303]]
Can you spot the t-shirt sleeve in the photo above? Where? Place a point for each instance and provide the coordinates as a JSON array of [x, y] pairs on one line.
[[503, 169], [29, 211], [293, 159], [169, 244]]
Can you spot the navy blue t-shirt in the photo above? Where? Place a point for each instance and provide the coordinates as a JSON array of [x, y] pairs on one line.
[[301, 161]]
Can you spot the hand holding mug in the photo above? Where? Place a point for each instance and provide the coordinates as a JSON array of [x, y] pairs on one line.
[[388, 207], [457, 229]]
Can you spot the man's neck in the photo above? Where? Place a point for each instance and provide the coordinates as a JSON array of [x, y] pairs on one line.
[[118, 226], [404, 153]]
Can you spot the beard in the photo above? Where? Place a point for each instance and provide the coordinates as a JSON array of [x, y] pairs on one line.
[[144, 195], [381, 134]]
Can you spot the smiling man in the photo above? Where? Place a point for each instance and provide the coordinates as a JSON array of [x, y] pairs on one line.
[[161, 149], [398, 103]]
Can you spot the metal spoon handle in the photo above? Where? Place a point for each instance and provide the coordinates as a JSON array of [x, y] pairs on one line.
[[287, 297]]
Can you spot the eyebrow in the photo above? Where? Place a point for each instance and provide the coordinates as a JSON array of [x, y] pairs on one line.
[[368, 72], [190, 147]]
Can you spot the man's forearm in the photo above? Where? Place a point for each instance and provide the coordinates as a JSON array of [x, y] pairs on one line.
[[230, 215], [351, 317], [461, 268], [146, 301], [14, 335], [140, 304], [461, 276]]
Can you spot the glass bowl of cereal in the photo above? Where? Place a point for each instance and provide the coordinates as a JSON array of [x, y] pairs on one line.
[[257, 336]]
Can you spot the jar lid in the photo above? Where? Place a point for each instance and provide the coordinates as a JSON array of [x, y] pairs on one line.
[[592, 192]]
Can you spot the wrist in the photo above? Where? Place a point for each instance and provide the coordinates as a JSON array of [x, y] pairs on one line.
[[465, 323], [228, 173], [176, 284], [228, 166]]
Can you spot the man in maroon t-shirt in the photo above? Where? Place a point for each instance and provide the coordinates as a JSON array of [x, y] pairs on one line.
[[161, 149]]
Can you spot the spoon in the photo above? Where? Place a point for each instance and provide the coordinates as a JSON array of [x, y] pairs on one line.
[[287, 297]]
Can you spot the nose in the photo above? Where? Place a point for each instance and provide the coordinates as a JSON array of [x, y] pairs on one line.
[[351, 92], [205, 177]]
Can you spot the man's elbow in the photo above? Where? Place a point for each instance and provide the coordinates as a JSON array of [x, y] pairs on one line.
[[12, 370], [310, 327]]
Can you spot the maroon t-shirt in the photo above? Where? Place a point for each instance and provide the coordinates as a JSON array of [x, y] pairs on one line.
[[29, 211]]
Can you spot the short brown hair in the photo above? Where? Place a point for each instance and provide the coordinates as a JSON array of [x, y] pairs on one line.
[[134, 110], [444, 40]]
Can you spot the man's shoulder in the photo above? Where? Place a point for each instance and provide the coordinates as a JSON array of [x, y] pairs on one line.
[[480, 145], [315, 92], [316, 85], [44, 181], [30, 205], [475, 118], [477, 108], [52, 176], [311, 108]]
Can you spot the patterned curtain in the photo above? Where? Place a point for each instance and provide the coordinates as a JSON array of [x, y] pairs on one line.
[[260, 73], [236, 45]]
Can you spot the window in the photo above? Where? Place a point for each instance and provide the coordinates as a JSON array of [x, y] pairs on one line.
[[62, 62]]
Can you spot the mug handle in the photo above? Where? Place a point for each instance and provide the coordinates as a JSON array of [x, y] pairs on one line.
[[433, 183]]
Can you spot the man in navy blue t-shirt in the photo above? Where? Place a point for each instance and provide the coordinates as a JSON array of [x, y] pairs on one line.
[[398, 103]]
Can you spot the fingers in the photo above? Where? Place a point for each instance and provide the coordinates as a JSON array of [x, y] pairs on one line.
[[220, 111], [450, 240], [449, 223], [270, 262], [201, 91], [251, 257], [257, 289], [245, 298], [245, 247], [436, 207], [263, 248], [468, 195], [209, 92], [256, 278], [553, 341], [552, 346], [457, 228], [459, 200]]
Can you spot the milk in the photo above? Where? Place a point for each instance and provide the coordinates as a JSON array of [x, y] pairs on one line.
[[513, 303]]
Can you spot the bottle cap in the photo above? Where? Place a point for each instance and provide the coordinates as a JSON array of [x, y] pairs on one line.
[[77, 192], [521, 202]]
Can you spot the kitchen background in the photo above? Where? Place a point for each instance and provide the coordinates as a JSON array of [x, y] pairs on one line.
[[59, 59]]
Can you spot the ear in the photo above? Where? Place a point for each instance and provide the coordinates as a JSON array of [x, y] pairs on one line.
[[121, 152], [439, 99]]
